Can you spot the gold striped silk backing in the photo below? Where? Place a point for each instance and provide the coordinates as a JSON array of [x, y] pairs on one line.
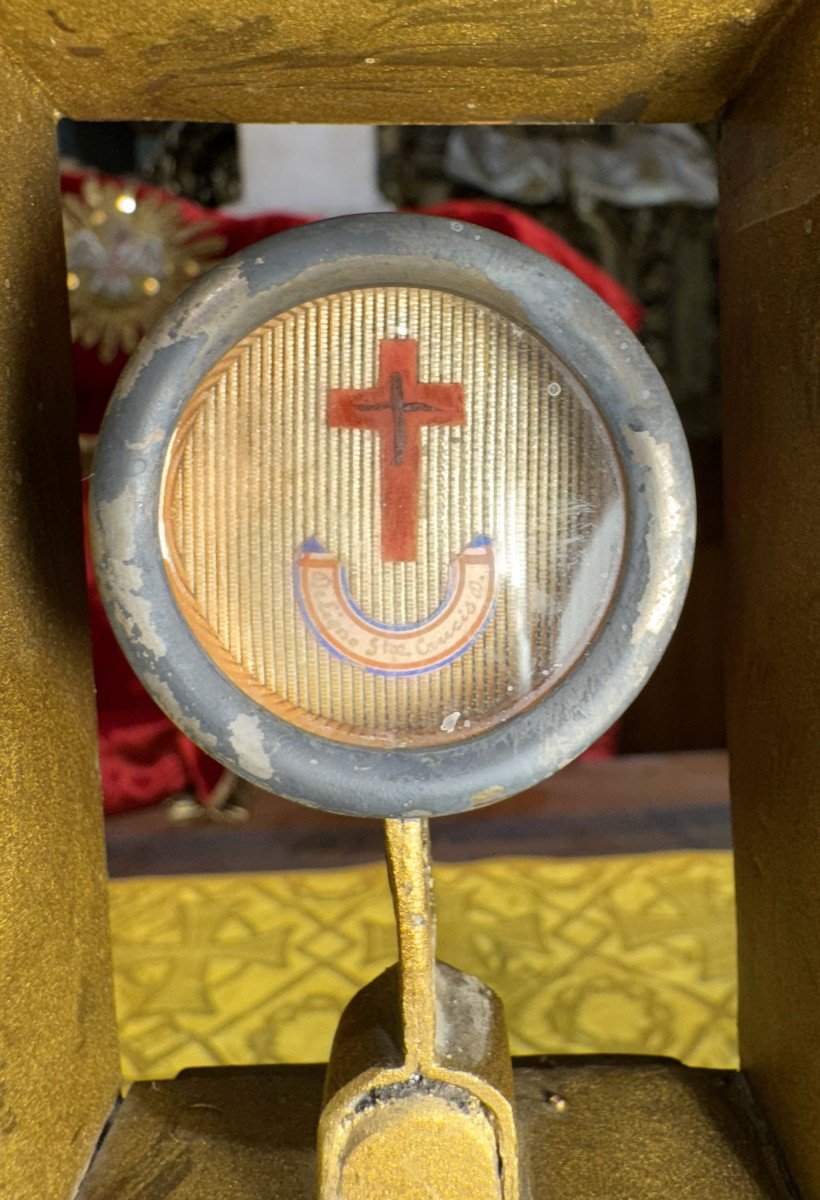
[[253, 471]]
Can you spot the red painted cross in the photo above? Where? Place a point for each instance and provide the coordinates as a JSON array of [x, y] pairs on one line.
[[396, 409]]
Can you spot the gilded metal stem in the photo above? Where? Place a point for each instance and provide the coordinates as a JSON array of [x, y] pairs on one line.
[[410, 869]]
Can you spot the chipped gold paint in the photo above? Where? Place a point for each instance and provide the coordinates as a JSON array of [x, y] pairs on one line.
[[486, 796], [418, 1096], [390, 61], [251, 1129], [58, 1051]]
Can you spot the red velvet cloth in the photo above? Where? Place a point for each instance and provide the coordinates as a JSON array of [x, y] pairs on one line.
[[143, 756]]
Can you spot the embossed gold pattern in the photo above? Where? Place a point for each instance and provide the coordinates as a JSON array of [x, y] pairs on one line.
[[634, 954], [254, 471]]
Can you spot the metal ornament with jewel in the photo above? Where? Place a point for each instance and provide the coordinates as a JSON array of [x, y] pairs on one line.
[[394, 517]]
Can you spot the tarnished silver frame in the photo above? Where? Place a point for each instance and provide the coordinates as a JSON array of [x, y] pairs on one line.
[[361, 251]]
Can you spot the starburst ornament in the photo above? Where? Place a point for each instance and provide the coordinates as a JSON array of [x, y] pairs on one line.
[[128, 256]]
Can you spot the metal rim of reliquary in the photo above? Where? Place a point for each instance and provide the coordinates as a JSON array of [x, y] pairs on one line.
[[535, 297]]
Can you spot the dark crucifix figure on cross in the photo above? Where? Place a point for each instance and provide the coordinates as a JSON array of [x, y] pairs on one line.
[[396, 409]]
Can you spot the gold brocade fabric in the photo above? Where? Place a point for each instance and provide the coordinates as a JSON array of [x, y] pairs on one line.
[[626, 954]]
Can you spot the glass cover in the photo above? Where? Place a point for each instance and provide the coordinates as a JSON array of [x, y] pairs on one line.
[[393, 517]]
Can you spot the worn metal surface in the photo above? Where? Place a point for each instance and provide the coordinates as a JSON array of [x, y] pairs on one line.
[[419, 1093], [770, 271], [58, 1056], [369, 251], [630, 1129], [389, 61]]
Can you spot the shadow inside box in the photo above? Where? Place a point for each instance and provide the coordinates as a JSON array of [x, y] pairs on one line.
[[629, 805]]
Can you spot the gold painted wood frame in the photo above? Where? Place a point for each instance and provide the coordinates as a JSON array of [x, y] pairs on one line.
[[385, 61], [756, 63], [58, 1043]]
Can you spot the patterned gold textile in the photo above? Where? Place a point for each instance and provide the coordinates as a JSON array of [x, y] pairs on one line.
[[632, 954]]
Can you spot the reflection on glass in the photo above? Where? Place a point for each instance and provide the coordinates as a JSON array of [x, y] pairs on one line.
[[393, 517]]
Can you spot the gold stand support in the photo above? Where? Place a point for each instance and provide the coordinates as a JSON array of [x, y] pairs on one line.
[[418, 1093]]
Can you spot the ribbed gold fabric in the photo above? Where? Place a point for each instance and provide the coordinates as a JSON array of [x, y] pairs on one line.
[[254, 471], [633, 954]]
